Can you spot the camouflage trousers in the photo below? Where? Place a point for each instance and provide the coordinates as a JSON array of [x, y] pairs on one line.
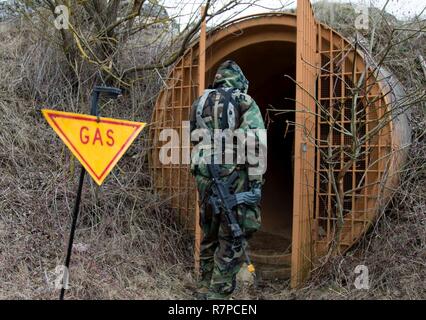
[[221, 256]]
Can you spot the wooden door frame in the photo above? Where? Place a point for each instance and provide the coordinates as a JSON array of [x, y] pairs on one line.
[[307, 60]]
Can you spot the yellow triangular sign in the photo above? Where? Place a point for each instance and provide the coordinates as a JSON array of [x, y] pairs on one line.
[[98, 143]]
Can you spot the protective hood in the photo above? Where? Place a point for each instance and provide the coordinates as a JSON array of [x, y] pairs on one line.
[[230, 75]]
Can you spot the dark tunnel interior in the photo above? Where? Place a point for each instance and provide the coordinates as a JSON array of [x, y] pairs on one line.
[[266, 65]]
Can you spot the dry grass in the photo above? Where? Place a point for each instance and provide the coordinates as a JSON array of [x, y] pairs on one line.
[[127, 242]]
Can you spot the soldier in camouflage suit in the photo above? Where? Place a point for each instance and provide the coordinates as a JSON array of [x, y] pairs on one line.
[[220, 256]]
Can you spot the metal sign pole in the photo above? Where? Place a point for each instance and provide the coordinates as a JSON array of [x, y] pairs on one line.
[[72, 232], [97, 91]]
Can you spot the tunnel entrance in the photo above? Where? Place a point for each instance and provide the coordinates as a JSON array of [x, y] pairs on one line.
[[264, 45], [266, 66]]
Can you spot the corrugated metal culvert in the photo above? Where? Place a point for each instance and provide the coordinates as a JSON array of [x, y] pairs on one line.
[[322, 191]]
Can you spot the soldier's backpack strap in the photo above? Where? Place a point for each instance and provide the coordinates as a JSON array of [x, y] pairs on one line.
[[229, 109], [199, 112]]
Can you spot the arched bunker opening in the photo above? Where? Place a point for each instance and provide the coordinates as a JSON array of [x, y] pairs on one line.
[[270, 68], [264, 46]]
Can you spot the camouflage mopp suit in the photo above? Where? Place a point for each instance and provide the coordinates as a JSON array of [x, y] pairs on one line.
[[221, 257]]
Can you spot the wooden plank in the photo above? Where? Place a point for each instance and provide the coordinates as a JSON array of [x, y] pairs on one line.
[[201, 87], [304, 166]]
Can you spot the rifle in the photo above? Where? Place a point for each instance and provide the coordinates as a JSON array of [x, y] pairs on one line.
[[223, 198]]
